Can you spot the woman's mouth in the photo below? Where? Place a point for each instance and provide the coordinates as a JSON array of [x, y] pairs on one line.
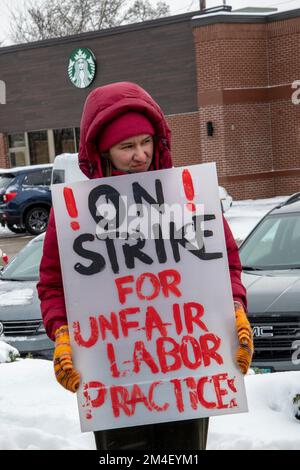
[[140, 165]]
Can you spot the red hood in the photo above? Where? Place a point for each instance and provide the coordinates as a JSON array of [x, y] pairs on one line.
[[105, 104]]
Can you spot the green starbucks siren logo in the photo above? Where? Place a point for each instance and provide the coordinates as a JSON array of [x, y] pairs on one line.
[[82, 67]]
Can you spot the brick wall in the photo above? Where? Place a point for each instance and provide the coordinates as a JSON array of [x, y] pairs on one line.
[[248, 145], [241, 142], [284, 67], [213, 148], [287, 185], [285, 119], [186, 149], [231, 56], [284, 51], [3, 152], [240, 68], [241, 190]]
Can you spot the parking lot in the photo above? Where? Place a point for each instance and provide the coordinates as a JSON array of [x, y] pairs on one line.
[[11, 244]]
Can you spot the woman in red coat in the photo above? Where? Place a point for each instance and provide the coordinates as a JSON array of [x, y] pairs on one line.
[[123, 130]]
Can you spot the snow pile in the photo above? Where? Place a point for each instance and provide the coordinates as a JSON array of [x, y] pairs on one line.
[[7, 352], [4, 231], [270, 423], [37, 413], [244, 215]]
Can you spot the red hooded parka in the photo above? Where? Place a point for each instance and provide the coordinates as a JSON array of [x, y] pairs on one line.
[[103, 105]]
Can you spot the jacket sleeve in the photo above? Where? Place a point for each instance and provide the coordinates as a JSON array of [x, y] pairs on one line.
[[235, 268], [50, 285]]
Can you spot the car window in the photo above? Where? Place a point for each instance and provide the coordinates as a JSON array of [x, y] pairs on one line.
[[58, 176], [35, 178], [5, 181], [275, 244], [295, 235], [25, 266], [47, 176], [38, 178], [270, 233]]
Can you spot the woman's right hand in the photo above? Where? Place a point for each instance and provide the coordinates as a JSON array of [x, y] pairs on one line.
[[65, 373]]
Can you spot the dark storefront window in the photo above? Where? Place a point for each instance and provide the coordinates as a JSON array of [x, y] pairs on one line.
[[17, 158], [64, 141], [16, 143], [38, 146], [16, 140]]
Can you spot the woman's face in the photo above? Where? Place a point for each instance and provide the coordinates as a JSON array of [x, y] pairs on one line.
[[133, 155]]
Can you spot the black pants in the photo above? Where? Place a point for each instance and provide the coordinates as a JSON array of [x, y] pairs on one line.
[[178, 435]]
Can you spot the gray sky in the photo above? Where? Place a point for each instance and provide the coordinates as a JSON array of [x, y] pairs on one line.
[[177, 7]]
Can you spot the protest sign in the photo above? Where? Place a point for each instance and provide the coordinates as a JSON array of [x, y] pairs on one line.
[[148, 297]]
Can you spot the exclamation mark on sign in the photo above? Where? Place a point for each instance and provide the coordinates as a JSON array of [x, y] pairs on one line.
[[71, 207], [188, 186]]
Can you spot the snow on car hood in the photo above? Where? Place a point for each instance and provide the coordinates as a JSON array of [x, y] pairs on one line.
[[16, 297], [16, 293], [19, 301], [273, 291]]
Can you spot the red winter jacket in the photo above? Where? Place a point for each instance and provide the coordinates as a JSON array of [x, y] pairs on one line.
[[103, 105]]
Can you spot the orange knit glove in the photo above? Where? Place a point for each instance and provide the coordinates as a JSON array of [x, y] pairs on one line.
[[65, 373], [244, 331]]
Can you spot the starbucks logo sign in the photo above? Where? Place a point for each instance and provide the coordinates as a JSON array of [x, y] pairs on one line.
[[82, 67]]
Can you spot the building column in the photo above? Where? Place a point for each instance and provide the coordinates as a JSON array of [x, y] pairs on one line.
[[4, 161], [51, 145]]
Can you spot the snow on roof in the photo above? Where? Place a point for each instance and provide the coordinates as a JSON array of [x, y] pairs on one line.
[[243, 12], [16, 297], [257, 10], [24, 168]]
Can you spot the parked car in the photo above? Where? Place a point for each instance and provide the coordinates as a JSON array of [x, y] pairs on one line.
[[21, 323], [25, 198], [66, 169], [270, 257]]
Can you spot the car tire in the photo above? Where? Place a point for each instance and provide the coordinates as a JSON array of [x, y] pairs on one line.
[[16, 228], [36, 220]]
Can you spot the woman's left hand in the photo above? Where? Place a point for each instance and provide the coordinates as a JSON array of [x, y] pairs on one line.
[[245, 335]]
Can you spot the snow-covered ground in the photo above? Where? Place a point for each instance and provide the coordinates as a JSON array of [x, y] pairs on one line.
[[5, 232], [37, 413], [270, 423], [7, 352]]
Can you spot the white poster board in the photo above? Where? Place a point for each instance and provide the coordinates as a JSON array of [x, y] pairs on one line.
[[151, 317]]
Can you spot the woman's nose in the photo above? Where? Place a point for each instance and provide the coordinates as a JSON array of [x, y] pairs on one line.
[[140, 154]]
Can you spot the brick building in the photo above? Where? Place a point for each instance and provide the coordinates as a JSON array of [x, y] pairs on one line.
[[224, 80]]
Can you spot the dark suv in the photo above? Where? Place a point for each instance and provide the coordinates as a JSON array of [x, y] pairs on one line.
[[25, 198], [270, 256]]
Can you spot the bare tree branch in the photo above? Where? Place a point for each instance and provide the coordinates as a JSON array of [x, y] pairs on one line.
[[58, 18]]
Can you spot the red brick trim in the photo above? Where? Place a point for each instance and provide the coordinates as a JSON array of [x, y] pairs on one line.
[[245, 95], [260, 176]]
